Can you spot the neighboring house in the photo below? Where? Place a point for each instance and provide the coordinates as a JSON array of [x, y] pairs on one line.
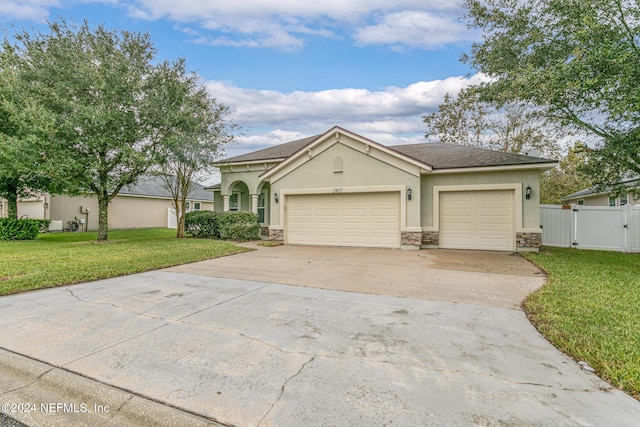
[[143, 205], [594, 197], [341, 189]]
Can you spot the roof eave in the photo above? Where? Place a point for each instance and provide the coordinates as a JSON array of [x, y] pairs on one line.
[[248, 162], [541, 166]]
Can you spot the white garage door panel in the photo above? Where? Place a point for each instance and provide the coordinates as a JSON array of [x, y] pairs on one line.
[[477, 220], [349, 219], [31, 209]]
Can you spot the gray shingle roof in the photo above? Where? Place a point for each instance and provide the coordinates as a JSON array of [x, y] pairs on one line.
[[437, 155], [452, 156], [153, 186], [281, 151], [631, 182]]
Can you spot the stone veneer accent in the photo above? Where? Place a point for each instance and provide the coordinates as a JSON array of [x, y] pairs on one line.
[[430, 238], [411, 238], [276, 235], [528, 240]]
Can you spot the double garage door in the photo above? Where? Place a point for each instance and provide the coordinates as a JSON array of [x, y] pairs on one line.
[[477, 220], [468, 220], [346, 219]]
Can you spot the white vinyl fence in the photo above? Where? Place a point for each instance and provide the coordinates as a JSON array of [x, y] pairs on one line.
[[606, 228], [171, 218]]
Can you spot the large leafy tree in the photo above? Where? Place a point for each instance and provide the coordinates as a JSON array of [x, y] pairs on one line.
[[108, 102], [24, 128], [567, 177], [201, 130], [513, 128], [579, 59]]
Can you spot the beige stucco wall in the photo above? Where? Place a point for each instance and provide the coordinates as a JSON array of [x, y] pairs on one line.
[[530, 208], [359, 170], [218, 202], [124, 211]]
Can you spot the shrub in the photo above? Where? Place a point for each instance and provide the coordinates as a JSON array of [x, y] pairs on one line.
[[238, 226], [21, 229], [202, 224]]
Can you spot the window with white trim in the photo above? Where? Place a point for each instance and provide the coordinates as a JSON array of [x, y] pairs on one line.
[[196, 206], [581, 202], [234, 202], [261, 207]]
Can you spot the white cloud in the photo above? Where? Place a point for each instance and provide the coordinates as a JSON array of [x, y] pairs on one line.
[[33, 10], [414, 29], [392, 116], [284, 24]]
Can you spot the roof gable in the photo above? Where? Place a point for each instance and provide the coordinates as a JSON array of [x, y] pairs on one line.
[[360, 143]]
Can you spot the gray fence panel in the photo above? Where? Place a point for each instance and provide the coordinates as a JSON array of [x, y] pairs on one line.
[[600, 227], [556, 226]]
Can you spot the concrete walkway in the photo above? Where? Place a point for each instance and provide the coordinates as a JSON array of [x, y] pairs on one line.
[[174, 348]]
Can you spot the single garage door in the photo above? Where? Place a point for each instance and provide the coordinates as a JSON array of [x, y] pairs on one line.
[[346, 219], [31, 209], [477, 220]]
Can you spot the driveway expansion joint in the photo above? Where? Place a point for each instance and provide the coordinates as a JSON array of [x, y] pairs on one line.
[[265, 285]]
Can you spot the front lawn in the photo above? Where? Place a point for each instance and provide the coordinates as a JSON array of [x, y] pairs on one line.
[[590, 309], [65, 258]]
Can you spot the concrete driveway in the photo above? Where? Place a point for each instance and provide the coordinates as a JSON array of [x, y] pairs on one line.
[[420, 338], [497, 279]]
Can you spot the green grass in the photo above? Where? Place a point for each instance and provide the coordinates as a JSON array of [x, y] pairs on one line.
[[590, 309], [64, 258]]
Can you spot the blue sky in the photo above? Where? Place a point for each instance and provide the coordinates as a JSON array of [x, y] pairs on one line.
[[290, 68]]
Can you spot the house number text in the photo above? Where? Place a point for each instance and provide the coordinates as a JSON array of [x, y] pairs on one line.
[[337, 190]]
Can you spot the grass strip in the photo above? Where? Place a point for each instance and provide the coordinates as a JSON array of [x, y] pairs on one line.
[[590, 309], [56, 259]]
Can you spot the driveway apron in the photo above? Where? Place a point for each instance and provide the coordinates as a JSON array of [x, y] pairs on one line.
[[365, 338]]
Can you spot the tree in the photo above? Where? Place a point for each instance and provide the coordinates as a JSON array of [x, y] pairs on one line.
[[567, 177], [580, 60], [512, 128], [109, 107], [201, 130], [24, 127]]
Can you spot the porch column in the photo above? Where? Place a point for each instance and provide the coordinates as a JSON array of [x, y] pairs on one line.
[[225, 203], [254, 203]]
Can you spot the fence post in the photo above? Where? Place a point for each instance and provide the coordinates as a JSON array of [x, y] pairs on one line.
[[574, 226], [626, 217]]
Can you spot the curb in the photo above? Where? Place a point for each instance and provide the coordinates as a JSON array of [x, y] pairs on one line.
[[34, 393]]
